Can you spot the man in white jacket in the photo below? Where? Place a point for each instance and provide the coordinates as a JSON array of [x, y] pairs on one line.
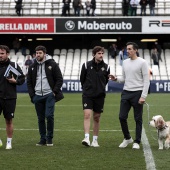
[[133, 5]]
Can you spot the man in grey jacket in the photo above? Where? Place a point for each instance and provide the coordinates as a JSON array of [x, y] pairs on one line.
[[136, 84], [44, 82]]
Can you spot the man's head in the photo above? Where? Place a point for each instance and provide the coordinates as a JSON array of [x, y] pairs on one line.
[[40, 53], [113, 45], [28, 57], [155, 50], [4, 53], [132, 49], [98, 52]]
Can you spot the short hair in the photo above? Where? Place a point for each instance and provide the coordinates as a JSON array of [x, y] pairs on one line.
[[135, 46], [41, 48], [97, 49], [4, 47]]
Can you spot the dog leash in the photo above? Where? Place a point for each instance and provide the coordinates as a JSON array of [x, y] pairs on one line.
[[147, 106]]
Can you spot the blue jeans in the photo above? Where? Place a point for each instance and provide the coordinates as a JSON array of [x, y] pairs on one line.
[[152, 10], [45, 106], [77, 11]]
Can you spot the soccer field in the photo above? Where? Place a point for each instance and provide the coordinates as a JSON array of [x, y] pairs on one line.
[[68, 153]]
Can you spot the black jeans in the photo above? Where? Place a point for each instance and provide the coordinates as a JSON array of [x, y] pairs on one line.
[[130, 99], [133, 11], [45, 106]]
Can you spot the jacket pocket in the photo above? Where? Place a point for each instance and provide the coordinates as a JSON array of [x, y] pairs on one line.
[[59, 96]]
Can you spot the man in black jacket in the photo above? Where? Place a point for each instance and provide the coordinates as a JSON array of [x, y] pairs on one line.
[[44, 82], [93, 7], [18, 7], [8, 95], [94, 78], [125, 6], [66, 7]]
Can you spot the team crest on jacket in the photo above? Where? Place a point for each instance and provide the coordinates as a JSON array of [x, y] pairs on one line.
[[102, 69], [50, 67]]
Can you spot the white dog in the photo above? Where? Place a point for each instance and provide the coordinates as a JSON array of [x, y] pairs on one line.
[[163, 129]]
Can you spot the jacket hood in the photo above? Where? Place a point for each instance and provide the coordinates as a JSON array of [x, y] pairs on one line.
[[48, 57]]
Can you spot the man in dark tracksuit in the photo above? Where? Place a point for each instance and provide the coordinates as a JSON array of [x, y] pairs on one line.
[[18, 7], [8, 95], [94, 78], [44, 82]]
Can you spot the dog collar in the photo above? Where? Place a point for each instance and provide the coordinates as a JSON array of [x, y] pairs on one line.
[[162, 128]]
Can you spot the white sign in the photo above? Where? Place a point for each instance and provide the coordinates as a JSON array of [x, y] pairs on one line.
[[156, 25], [164, 86]]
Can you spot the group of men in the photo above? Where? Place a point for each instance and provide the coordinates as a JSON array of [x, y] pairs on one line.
[[94, 77], [130, 7], [45, 80], [78, 6]]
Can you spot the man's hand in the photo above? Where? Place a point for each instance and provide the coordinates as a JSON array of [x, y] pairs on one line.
[[112, 77], [12, 80], [141, 100]]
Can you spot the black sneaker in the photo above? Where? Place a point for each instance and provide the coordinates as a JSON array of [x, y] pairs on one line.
[[41, 143], [49, 142]]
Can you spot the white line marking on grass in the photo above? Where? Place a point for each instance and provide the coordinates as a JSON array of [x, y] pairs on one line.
[[150, 163], [63, 105], [64, 130]]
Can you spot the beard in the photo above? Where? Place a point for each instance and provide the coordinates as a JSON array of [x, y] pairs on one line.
[[98, 60], [3, 60], [40, 59]]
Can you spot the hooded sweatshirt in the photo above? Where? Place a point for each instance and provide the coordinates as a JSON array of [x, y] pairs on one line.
[[42, 86]]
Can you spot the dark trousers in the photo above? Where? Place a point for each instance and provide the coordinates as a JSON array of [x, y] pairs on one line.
[[125, 10], [130, 99], [45, 106], [143, 10], [133, 11], [66, 10], [18, 11]]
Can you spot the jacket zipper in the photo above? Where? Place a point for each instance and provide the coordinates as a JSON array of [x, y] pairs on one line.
[[41, 80]]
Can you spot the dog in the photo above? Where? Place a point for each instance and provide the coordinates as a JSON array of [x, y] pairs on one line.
[[163, 130]]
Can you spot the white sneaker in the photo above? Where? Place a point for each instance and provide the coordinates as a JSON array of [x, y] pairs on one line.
[[125, 143], [135, 146], [95, 144], [1, 143], [86, 142], [8, 146]]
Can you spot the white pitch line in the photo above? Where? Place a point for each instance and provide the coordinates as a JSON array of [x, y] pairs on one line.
[[63, 105], [64, 130], [150, 163]]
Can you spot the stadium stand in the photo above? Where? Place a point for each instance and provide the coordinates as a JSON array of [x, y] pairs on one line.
[[54, 8], [71, 60]]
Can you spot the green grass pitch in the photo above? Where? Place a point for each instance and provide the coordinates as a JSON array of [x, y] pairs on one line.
[[68, 153]]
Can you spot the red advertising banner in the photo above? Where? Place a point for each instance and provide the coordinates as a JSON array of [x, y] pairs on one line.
[[27, 25]]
